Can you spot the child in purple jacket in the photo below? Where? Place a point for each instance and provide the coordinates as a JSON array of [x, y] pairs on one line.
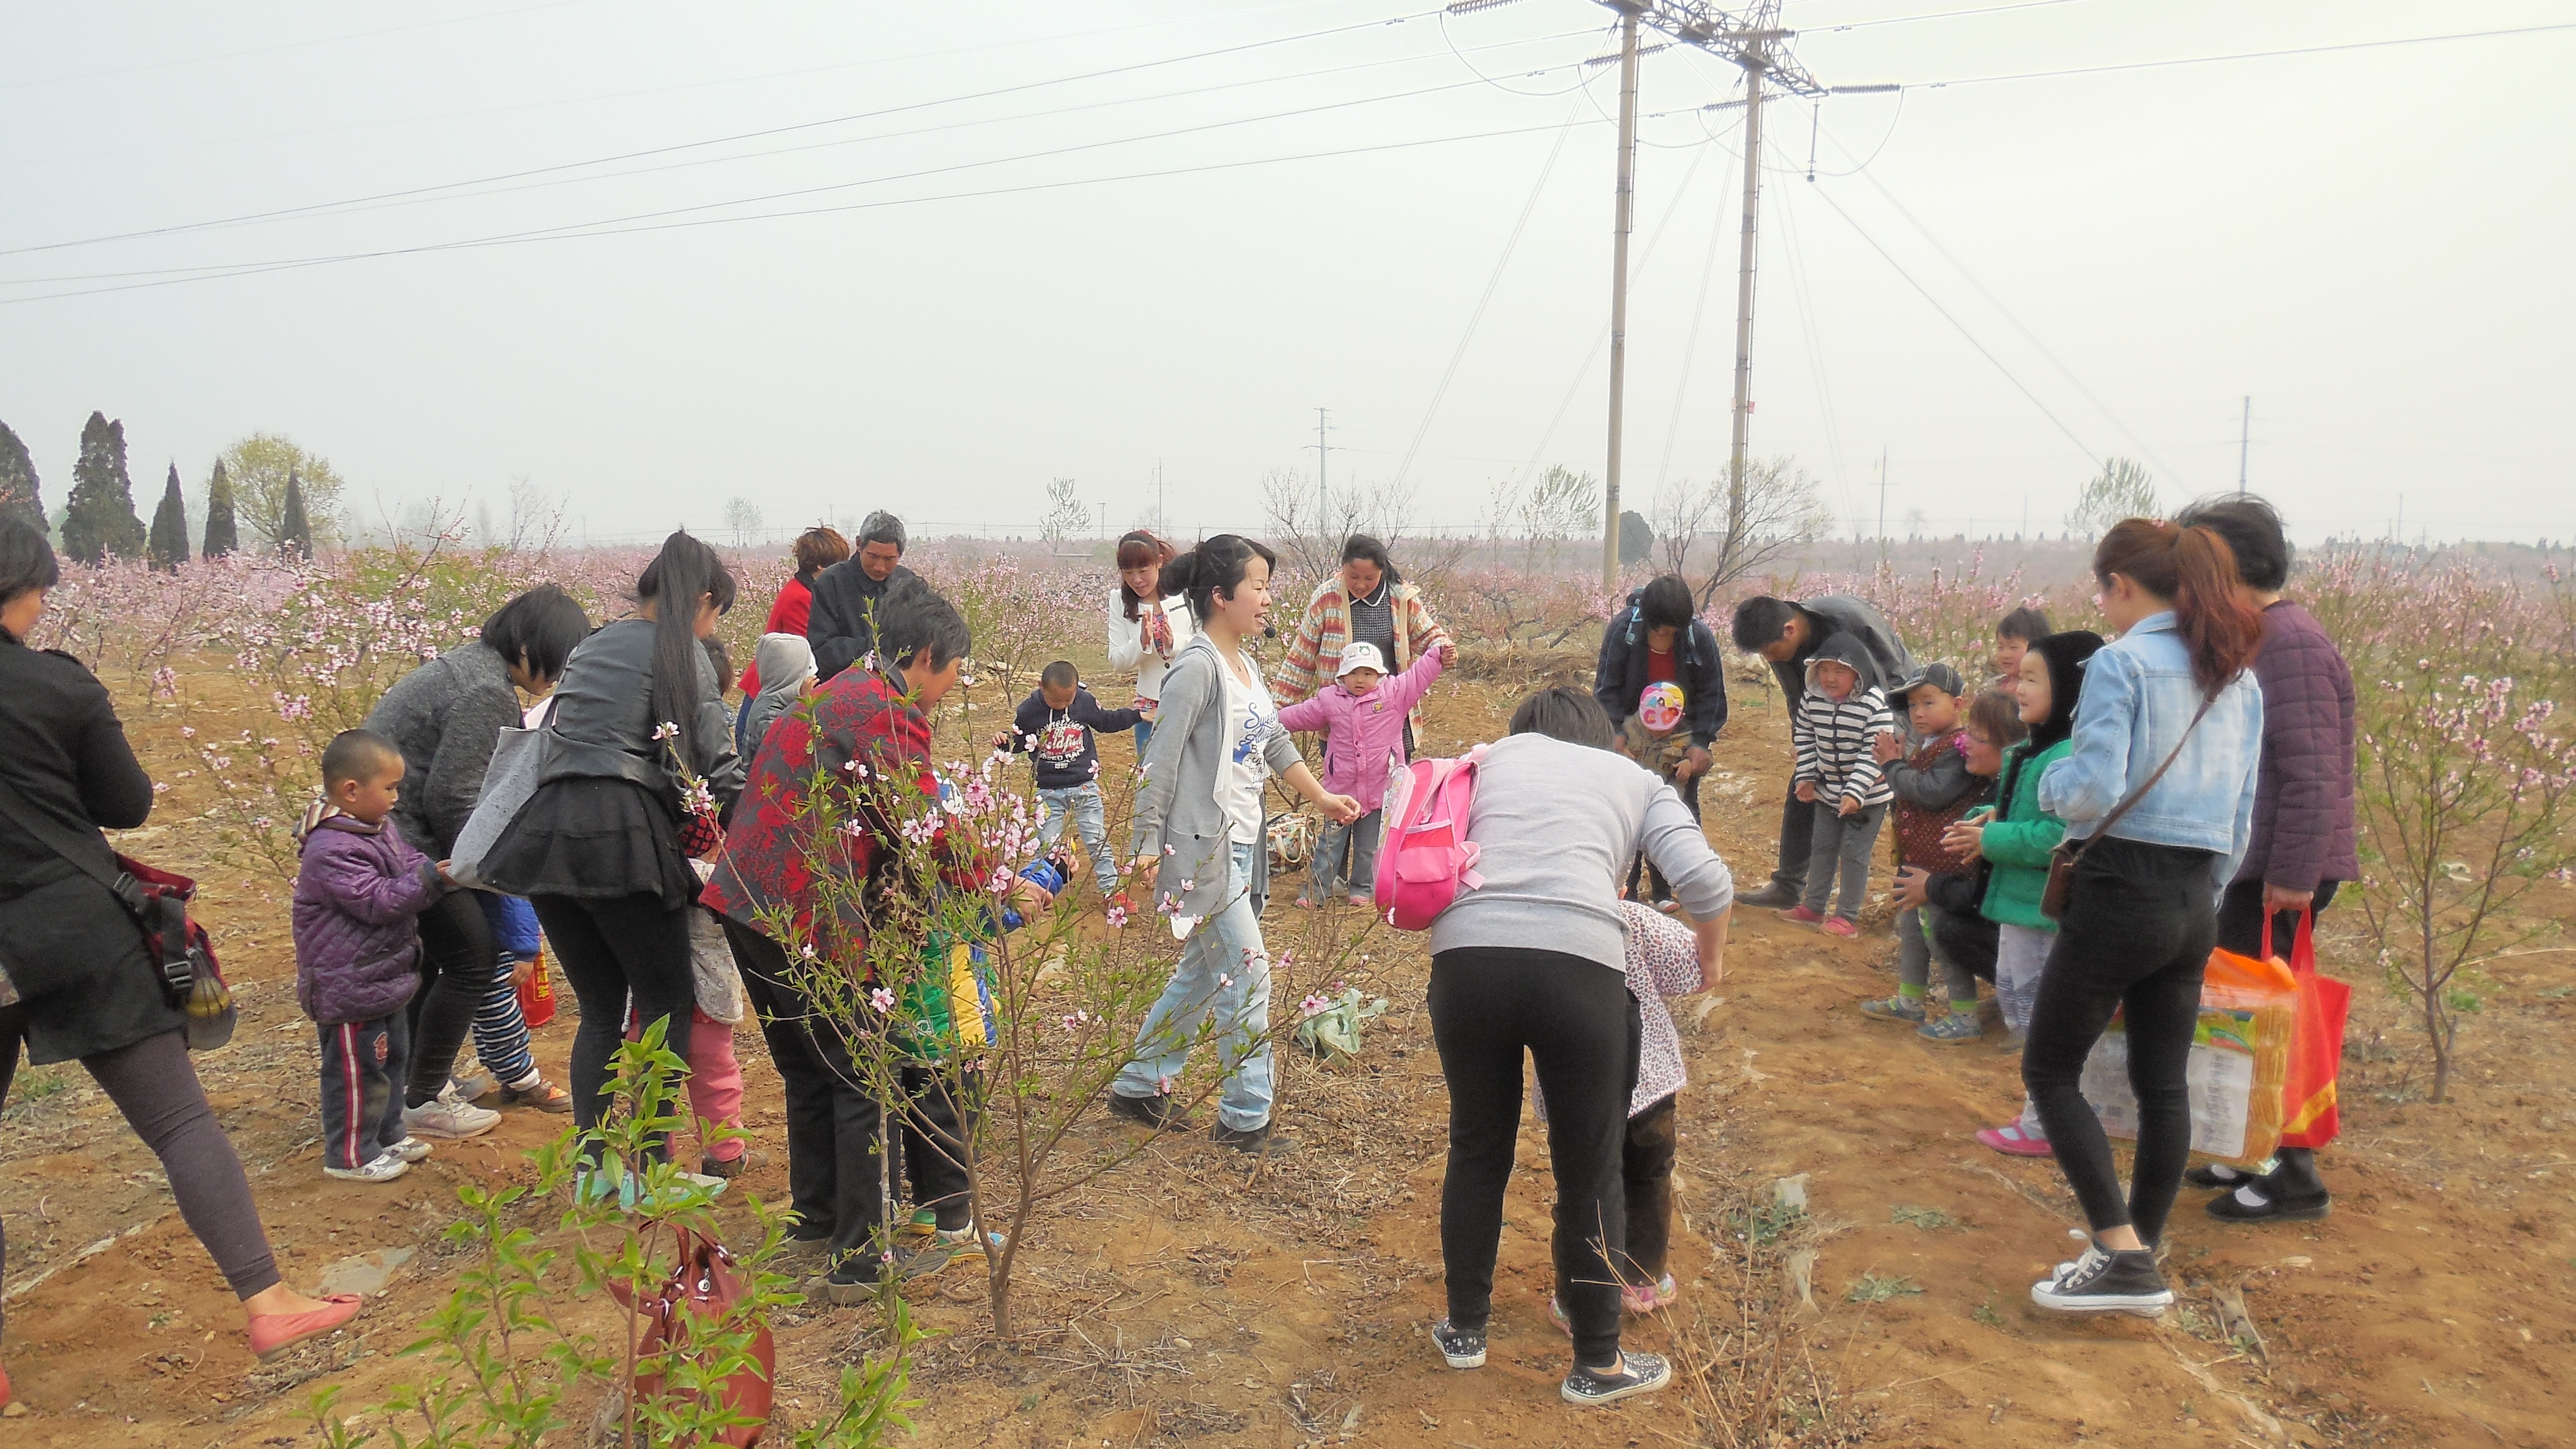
[[358, 897], [1364, 710]]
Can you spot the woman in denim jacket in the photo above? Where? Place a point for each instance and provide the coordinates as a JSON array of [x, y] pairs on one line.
[[2142, 916]]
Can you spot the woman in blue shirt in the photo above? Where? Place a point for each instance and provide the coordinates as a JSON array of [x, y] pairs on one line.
[[2167, 734]]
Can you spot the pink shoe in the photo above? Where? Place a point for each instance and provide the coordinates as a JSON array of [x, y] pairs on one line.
[[2011, 1141], [272, 1334], [1801, 915], [1645, 1298], [1838, 926]]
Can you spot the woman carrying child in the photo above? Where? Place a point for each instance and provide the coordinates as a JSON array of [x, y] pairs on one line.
[[1557, 817], [1934, 789], [2161, 783], [1365, 709], [1948, 901], [2015, 840], [1201, 852]]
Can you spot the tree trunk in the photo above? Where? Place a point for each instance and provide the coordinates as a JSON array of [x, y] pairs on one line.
[[2433, 1028]]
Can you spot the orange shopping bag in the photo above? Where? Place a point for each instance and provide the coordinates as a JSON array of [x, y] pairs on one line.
[[537, 996], [2308, 1112]]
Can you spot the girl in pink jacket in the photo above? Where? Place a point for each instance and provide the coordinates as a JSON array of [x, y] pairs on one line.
[[1364, 710]]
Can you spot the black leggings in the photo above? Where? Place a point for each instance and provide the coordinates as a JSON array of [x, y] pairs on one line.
[[156, 1089], [2240, 929], [1578, 1023], [611, 948], [455, 975], [2136, 937]]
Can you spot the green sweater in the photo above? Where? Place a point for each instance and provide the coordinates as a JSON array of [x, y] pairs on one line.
[[2019, 838]]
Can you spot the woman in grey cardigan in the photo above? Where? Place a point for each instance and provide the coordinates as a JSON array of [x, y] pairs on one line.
[[1199, 825]]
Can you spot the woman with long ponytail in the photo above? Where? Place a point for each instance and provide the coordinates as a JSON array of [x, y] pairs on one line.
[[639, 714], [2158, 794]]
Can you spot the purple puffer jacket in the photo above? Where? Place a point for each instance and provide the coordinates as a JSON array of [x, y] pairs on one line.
[[358, 899], [2303, 825]]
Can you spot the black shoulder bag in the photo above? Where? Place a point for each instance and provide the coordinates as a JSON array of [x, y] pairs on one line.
[[158, 902], [2061, 861]]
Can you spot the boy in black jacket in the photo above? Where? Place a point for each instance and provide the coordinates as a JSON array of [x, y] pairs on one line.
[[1657, 644], [1058, 724]]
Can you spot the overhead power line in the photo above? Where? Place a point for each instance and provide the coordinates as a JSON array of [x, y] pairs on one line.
[[2243, 55]]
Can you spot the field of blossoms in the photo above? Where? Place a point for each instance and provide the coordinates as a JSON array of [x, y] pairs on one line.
[[1170, 1300]]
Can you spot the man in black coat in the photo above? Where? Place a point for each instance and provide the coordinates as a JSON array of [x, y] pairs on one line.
[[842, 625], [1787, 634], [1658, 639]]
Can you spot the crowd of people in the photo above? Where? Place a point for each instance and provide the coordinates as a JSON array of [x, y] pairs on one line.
[[2190, 778]]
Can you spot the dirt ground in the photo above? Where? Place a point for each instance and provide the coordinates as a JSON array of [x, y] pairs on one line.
[[1185, 1299]]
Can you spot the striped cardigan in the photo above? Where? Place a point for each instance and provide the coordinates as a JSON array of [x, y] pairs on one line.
[[1316, 648], [1834, 745]]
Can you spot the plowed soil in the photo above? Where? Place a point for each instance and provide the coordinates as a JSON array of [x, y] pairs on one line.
[[1187, 1299]]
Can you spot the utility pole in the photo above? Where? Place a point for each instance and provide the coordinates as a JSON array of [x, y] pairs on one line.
[[1323, 487], [2244, 444], [1162, 519], [1622, 220], [1882, 497]]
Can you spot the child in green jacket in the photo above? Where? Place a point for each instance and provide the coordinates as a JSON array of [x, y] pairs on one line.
[[2015, 842]]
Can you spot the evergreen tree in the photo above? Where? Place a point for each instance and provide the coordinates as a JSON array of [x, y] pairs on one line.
[[168, 544], [98, 519], [18, 480], [294, 533], [222, 537]]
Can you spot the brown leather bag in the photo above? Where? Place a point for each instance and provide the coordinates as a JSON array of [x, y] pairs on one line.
[[2061, 861], [705, 1287]]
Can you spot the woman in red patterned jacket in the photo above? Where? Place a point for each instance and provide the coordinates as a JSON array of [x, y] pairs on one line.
[[865, 736]]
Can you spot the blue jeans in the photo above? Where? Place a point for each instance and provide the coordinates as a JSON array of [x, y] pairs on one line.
[[1144, 734], [1090, 821], [1360, 838], [1224, 977]]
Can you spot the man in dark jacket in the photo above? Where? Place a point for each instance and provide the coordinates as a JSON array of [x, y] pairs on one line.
[[1657, 643], [1787, 634], [842, 626]]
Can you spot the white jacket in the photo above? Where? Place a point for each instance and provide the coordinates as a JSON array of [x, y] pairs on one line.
[[1127, 642]]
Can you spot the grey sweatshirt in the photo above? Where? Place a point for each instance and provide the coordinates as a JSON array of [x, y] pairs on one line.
[[446, 717], [1555, 826]]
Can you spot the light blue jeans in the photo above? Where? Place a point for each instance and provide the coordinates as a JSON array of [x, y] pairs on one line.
[[1090, 821], [1224, 976], [1144, 735]]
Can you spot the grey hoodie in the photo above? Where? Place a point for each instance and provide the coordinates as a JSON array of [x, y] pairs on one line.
[[785, 662]]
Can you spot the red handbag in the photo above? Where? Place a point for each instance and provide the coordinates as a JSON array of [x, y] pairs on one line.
[[706, 1287], [2309, 1115]]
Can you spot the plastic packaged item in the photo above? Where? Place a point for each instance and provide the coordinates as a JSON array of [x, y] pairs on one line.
[[2240, 1060]]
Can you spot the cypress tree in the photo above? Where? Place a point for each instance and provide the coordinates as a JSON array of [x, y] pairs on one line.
[[18, 480], [294, 533], [222, 535], [98, 518], [168, 544]]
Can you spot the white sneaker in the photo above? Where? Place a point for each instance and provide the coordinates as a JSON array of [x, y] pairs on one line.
[[410, 1149], [384, 1168], [447, 1118]]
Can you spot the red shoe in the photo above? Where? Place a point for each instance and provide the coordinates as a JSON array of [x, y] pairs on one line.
[[1837, 926], [272, 1334], [2011, 1141], [1801, 915]]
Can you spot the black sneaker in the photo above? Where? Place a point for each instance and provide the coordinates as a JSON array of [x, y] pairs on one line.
[[1156, 1111], [2100, 1282], [2263, 1200], [1643, 1373], [1464, 1348], [854, 1281], [1260, 1141], [1777, 896]]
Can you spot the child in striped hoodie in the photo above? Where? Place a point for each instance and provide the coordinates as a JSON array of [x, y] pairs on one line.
[[1835, 732]]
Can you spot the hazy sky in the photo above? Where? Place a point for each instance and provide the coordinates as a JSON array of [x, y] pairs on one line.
[[2372, 243]]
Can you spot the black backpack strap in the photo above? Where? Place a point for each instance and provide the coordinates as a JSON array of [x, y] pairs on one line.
[[91, 854]]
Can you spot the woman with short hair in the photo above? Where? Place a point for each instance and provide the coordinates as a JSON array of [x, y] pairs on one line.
[[1557, 817], [76, 983]]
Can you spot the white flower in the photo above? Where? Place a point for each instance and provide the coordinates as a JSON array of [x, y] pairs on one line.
[[666, 731]]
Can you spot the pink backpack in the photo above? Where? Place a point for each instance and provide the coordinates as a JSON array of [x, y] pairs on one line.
[[1425, 859]]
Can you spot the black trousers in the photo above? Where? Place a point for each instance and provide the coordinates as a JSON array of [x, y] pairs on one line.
[[456, 958], [1797, 840], [611, 948], [155, 1089], [1580, 1027], [2135, 938], [1646, 1173], [839, 1178], [2240, 929]]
